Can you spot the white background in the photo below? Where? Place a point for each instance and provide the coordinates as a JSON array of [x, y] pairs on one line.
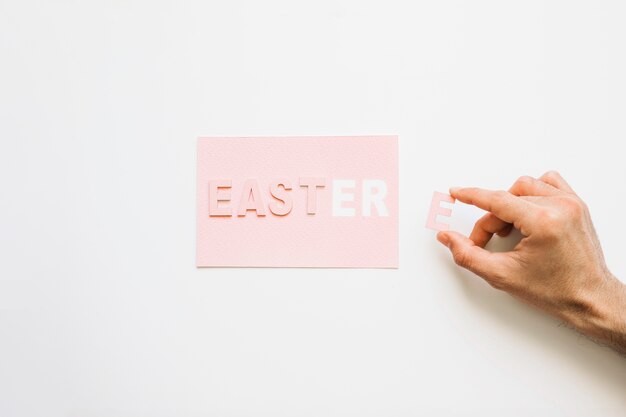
[[102, 311]]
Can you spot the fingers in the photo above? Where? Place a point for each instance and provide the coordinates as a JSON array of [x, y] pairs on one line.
[[489, 224], [556, 180], [502, 204], [530, 186], [486, 227], [488, 265]]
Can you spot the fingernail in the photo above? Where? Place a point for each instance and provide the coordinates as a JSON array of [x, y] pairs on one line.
[[454, 190], [443, 238]]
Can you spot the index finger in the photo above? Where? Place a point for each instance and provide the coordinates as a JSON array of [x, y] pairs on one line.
[[502, 204]]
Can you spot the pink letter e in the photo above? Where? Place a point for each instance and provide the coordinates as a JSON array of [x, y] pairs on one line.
[[436, 209]]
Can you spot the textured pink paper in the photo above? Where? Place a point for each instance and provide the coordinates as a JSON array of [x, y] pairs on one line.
[[298, 239]]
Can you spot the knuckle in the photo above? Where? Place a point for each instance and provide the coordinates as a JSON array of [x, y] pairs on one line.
[[500, 196], [550, 221], [484, 221], [523, 183], [573, 207], [461, 258], [552, 174]]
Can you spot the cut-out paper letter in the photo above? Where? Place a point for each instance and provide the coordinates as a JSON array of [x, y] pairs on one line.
[[215, 197], [437, 210], [311, 185], [279, 192], [251, 199]]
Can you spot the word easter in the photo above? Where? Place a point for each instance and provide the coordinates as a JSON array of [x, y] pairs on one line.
[[372, 194]]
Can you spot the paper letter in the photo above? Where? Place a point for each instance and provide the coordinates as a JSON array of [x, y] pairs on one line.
[[251, 199], [281, 194], [215, 197], [311, 185], [339, 197], [436, 209]]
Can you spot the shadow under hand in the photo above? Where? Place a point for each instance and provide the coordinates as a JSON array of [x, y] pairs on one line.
[[590, 359]]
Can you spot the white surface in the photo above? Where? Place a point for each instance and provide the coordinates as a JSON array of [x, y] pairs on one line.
[[102, 312]]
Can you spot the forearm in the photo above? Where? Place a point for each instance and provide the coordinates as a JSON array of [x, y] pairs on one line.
[[605, 319]]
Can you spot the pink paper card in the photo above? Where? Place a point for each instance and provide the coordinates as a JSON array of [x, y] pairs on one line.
[[298, 202]]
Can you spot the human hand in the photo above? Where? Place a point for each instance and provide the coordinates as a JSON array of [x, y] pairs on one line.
[[558, 266]]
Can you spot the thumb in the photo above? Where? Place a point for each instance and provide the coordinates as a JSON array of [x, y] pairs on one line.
[[466, 254]]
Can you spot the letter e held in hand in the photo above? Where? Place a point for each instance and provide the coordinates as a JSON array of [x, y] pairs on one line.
[[436, 209]]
